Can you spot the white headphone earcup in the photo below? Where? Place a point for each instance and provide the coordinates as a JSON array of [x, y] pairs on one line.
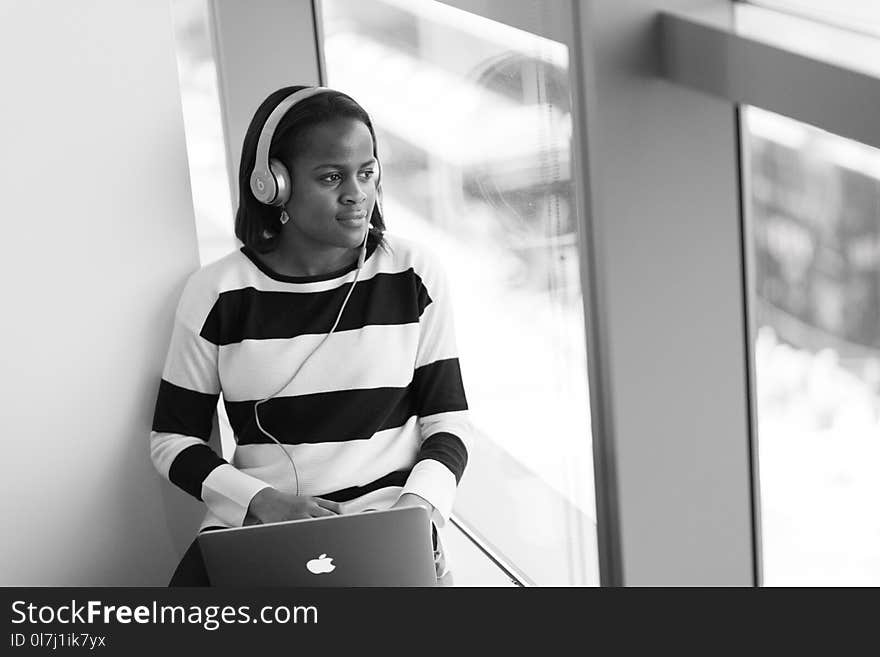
[[282, 181], [262, 186]]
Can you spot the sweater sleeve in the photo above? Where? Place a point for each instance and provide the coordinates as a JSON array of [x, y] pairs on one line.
[[184, 414], [440, 400]]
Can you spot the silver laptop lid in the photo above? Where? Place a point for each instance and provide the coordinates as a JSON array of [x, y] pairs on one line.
[[373, 548]]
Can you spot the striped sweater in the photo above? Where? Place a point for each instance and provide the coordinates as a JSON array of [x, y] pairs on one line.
[[378, 411]]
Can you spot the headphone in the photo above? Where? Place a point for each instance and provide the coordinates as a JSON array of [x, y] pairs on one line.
[[270, 179], [270, 184]]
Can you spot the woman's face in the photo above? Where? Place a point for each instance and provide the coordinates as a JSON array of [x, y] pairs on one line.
[[333, 177]]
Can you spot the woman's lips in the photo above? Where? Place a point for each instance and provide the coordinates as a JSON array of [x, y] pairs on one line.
[[352, 220], [357, 216]]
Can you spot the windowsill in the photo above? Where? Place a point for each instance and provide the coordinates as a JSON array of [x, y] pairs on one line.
[[470, 566]]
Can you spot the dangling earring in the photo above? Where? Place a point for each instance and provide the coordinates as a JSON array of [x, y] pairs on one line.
[[284, 216], [379, 201]]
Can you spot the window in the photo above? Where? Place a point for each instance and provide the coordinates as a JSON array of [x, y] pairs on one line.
[[814, 209], [212, 202], [473, 119]]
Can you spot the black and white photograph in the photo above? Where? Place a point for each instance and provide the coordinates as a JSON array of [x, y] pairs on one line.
[[461, 294]]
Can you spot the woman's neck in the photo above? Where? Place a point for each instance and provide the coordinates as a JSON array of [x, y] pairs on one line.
[[294, 258]]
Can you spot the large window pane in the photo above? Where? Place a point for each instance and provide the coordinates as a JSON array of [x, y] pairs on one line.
[[200, 98], [474, 127], [814, 213]]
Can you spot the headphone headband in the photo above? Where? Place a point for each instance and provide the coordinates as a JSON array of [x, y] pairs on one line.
[[263, 182]]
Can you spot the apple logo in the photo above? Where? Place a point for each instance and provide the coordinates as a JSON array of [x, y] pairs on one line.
[[322, 564]]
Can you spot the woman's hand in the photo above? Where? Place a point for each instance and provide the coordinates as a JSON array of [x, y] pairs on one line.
[[272, 505]]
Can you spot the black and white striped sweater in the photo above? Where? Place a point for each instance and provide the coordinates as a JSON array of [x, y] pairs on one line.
[[379, 410]]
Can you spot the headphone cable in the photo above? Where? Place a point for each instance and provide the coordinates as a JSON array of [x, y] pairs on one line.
[[360, 262]]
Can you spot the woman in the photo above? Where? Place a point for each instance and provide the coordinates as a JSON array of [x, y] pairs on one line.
[[331, 342]]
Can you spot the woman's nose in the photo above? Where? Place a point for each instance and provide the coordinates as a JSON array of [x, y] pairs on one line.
[[352, 192]]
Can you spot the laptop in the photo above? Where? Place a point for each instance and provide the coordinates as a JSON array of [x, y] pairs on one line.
[[372, 548]]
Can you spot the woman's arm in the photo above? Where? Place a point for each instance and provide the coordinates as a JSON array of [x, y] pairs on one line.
[[440, 401], [184, 414], [411, 499]]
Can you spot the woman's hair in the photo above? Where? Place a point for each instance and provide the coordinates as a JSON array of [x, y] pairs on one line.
[[258, 225]]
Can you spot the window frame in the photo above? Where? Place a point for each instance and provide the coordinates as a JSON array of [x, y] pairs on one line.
[[718, 53], [741, 55], [661, 171]]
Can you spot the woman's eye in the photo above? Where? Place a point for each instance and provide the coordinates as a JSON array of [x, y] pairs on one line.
[[336, 177]]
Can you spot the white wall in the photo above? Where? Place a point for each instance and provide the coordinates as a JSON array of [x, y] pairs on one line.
[[99, 235]]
